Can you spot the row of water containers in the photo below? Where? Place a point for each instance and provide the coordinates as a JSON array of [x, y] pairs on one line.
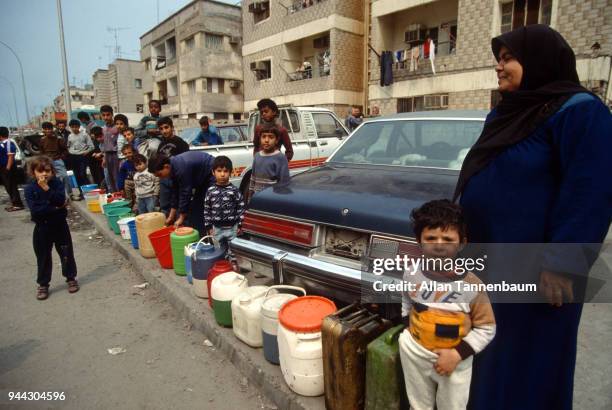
[[287, 326]]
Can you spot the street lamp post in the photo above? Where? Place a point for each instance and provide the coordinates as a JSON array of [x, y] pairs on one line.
[[25, 96], [67, 97], [14, 98]]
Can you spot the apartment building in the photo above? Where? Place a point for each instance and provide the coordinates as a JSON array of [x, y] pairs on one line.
[[120, 86], [192, 63], [304, 52], [461, 31]]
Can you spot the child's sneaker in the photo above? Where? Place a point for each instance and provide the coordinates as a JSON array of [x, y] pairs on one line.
[[73, 286], [42, 292]]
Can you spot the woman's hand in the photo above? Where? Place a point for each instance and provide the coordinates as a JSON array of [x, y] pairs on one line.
[[448, 359], [556, 288]]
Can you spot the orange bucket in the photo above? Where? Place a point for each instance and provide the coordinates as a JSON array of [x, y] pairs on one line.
[[160, 240]]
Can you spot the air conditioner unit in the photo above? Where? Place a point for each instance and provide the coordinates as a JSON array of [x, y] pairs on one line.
[[234, 84], [234, 40]]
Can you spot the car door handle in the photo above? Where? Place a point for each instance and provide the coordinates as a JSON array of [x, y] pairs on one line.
[[322, 142]]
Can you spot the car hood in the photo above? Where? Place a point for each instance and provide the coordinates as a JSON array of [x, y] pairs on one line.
[[371, 198]]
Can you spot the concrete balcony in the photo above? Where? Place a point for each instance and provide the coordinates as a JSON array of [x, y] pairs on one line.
[[209, 103]]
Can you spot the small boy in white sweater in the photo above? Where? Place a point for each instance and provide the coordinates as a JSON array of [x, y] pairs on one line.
[[146, 185], [447, 323]]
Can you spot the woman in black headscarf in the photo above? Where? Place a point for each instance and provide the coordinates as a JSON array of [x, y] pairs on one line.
[[540, 173]]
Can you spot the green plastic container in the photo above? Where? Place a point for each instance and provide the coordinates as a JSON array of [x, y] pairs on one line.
[[178, 240], [385, 387], [116, 204], [114, 214]]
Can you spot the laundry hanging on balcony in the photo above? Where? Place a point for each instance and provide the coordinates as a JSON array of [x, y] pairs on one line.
[[386, 68]]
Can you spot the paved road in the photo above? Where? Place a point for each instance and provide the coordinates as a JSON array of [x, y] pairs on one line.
[[61, 344]]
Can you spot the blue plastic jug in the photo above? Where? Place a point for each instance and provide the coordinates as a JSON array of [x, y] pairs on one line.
[[133, 234], [204, 257]]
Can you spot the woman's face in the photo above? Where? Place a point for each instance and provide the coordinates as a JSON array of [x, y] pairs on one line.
[[509, 71]]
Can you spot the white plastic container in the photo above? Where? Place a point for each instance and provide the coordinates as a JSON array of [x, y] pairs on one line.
[[224, 288], [246, 315], [272, 303], [124, 228], [103, 200], [299, 343]]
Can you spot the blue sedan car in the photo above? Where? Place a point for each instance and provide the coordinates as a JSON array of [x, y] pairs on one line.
[[323, 230]]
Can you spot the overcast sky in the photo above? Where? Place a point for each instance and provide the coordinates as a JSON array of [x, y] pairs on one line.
[[30, 27]]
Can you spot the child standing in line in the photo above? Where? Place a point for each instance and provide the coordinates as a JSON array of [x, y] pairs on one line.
[[147, 127], [121, 124], [127, 170], [268, 110], [270, 166], [8, 170], [130, 138], [146, 185], [170, 146], [109, 148], [47, 202], [79, 147], [446, 326], [223, 204], [97, 156]]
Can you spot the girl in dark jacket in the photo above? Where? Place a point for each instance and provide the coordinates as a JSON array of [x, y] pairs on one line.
[[46, 199]]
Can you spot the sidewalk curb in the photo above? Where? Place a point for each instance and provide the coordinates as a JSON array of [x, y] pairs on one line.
[[175, 289]]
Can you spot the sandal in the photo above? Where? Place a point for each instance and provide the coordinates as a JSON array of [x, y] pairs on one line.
[[73, 286], [14, 208], [42, 293]]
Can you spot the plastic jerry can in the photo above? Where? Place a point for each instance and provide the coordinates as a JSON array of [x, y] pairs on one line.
[[221, 266], [178, 240], [146, 224], [226, 287], [299, 343], [385, 387], [246, 315], [205, 256], [345, 336], [272, 303]]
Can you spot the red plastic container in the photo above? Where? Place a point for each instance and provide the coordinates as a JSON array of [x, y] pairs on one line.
[[217, 269], [160, 240]]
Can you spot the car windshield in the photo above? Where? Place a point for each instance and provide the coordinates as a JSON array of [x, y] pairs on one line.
[[189, 134], [424, 143], [230, 135]]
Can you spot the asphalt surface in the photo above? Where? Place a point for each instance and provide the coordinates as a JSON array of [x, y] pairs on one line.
[[60, 345]]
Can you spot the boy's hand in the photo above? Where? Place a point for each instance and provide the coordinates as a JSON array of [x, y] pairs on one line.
[[42, 182], [210, 232], [448, 359]]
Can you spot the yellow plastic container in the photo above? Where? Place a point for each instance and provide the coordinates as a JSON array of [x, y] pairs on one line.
[[146, 224]]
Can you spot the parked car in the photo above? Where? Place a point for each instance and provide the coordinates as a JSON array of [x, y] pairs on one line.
[[30, 144], [315, 132], [323, 230]]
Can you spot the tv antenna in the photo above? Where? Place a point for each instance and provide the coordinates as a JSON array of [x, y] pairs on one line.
[[115, 31]]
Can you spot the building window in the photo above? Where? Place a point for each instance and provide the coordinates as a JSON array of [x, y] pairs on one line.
[[138, 83], [191, 87], [506, 17], [430, 102], [215, 85], [260, 10], [220, 116], [140, 108], [237, 116], [213, 41], [147, 64], [190, 44], [221, 85], [262, 69], [518, 13]]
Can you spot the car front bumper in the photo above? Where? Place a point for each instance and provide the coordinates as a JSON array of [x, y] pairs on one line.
[[317, 277]]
